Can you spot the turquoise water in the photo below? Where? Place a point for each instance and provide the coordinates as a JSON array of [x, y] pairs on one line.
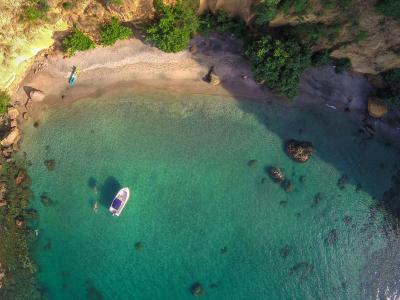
[[198, 212]]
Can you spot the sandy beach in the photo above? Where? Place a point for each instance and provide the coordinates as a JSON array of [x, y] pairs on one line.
[[132, 64]]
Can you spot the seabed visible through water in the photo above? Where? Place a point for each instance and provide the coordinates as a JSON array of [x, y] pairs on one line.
[[199, 211]]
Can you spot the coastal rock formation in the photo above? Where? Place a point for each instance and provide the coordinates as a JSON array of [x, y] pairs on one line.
[[21, 176], [299, 151], [376, 107], [12, 138], [276, 174], [36, 96], [288, 186], [214, 79], [13, 113]]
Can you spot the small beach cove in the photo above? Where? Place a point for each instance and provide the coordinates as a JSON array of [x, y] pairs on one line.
[[203, 208]]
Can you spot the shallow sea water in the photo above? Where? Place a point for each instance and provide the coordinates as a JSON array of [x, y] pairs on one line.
[[198, 212]]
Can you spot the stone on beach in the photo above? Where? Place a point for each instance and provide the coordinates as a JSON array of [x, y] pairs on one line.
[[13, 137], [376, 107], [36, 96], [299, 151]]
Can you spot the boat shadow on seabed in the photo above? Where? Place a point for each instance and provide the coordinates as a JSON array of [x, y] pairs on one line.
[[107, 190]]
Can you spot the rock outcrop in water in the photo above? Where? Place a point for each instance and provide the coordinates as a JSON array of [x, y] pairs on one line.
[[376, 107], [197, 289], [276, 174], [299, 151]]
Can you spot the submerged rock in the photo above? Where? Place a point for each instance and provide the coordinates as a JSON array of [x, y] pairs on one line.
[[288, 186], [317, 199], [21, 176], [197, 289], [283, 203], [343, 181], [252, 163], [332, 237], [299, 151], [50, 164], [46, 201], [224, 250], [285, 251], [139, 246], [276, 174], [347, 220], [303, 269]]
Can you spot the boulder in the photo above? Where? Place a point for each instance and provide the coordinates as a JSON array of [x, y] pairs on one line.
[[50, 164], [376, 107], [21, 176], [13, 113], [36, 96], [14, 123], [214, 79], [299, 151], [13, 137], [276, 174]]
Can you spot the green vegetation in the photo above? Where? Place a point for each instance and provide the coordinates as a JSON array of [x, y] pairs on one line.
[[4, 100], [390, 8], [114, 31], [279, 63], [311, 34], [35, 10], [174, 26], [112, 2], [67, 5], [77, 41], [221, 23], [391, 93], [265, 11]]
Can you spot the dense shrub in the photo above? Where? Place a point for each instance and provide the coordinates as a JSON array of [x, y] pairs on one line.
[[77, 41], [112, 2], [4, 100], [114, 31], [35, 10], [221, 23], [265, 11], [67, 5], [390, 8], [174, 26], [391, 93], [279, 63]]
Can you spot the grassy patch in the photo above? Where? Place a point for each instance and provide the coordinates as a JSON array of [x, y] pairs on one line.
[[35, 10], [114, 31], [4, 100]]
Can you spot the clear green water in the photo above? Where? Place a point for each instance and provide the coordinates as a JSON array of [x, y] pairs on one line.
[[201, 213]]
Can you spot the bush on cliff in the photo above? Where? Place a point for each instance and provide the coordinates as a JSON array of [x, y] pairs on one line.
[[35, 10], [391, 93], [174, 26], [4, 100], [114, 31], [390, 8], [221, 22], [77, 41], [279, 63]]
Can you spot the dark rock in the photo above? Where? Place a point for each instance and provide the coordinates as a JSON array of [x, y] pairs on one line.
[[332, 237], [50, 164], [197, 289], [36, 124], [370, 129], [288, 186], [224, 250], [263, 180], [358, 188], [276, 174], [317, 199], [285, 251], [214, 285], [302, 178], [139, 246], [299, 151], [343, 181], [252, 163], [347, 220], [303, 269], [283, 203], [46, 201]]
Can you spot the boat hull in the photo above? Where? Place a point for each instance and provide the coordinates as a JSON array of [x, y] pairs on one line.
[[119, 201]]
